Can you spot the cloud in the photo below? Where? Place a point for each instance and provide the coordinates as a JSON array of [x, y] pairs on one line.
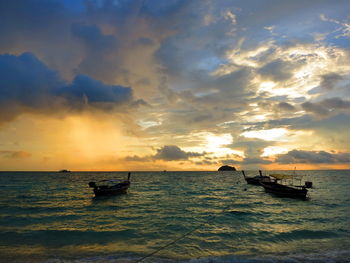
[[344, 27], [253, 148], [315, 108], [31, 19], [277, 70], [27, 84], [136, 158], [285, 106], [327, 106], [174, 153], [208, 67], [92, 36], [300, 156], [328, 81], [166, 153], [94, 91], [255, 161], [99, 50], [336, 103]]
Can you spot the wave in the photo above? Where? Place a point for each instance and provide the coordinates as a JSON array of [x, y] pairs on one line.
[[338, 256], [306, 234], [58, 238]]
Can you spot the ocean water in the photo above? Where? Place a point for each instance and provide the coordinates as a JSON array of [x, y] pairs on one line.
[[171, 217]]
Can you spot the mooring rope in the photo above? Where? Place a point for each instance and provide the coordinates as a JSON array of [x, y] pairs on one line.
[[181, 237], [167, 245]]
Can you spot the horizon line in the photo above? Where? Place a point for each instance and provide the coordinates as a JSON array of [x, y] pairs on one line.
[[137, 171]]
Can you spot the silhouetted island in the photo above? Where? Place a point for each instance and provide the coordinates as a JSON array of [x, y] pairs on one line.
[[227, 168], [64, 171]]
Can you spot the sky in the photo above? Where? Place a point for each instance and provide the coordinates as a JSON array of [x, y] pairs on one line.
[[174, 85]]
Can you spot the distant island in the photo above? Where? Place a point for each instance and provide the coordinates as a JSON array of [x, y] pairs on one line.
[[227, 168], [64, 171]]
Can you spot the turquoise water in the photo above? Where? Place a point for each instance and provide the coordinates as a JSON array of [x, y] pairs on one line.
[[53, 217]]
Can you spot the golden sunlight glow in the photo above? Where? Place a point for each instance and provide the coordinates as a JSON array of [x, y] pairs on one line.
[[310, 62], [267, 86], [148, 124], [77, 142], [273, 150], [92, 137], [226, 87], [215, 144], [276, 134], [258, 117], [248, 58], [215, 141]]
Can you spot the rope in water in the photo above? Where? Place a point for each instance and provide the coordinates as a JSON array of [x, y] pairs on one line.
[[167, 245], [178, 239]]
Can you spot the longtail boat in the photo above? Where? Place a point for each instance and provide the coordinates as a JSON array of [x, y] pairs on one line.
[[256, 179], [110, 187], [282, 190]]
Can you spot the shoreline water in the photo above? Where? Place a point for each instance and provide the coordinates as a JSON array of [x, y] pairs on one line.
[[52, 217]]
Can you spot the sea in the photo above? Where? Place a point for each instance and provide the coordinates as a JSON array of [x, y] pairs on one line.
[[172, 217]]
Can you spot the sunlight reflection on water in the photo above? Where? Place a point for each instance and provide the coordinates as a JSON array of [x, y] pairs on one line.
[[51, 215]]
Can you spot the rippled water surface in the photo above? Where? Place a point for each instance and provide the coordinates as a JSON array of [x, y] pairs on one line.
[[53, 217]]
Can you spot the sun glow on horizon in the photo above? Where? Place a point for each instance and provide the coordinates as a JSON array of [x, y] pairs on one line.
[[165, 97]]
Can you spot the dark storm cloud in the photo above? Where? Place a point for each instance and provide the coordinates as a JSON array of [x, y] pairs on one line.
[[174, 153], [26, 79], [299, 156], [29, 19], [94, 91], [92, 36], [25, 83], [98, 49], [145, 41], [28, 84]]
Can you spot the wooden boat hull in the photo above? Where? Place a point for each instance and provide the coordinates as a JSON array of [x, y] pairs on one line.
[[284, 191], [252, 180], [256, 180], [100, 191], [107, 190]]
